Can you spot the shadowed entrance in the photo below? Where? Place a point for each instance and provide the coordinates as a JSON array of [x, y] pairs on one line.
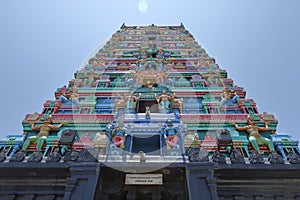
[[112, 185], [147, 144], [152, 104]]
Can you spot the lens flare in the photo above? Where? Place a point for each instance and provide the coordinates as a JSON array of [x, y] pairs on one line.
[[143, 6]]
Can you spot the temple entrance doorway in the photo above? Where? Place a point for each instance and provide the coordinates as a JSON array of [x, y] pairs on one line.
[[148, 98], [152, 104], [149, 144], [112, 183]]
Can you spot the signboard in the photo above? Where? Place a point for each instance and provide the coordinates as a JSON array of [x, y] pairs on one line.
[[143, 179]]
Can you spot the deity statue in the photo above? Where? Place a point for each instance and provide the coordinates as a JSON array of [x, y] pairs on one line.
[[41, 137], [254, 137], [191, 138], [143, 53], [170, 134], [70, 98], [131, 101], [229, 98], [213, 79], [160, 53], [147, 114], [119, 134], [164, 100], [141, 63], [100, 138], [109, 129], [101, 63], [90, 78], [202, 62]]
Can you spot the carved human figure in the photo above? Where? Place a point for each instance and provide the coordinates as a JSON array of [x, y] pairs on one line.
[[160, 53], [131, 101], [90, 78], [141, 63], [71, 97], [119, 134], [170, 134], [191, 138], [254, 137], [212, 78], [143, 53], [44, 131], [229, 98], [101, 63], [164, 100], [100, 137], [109, 129], [147, 113], [160, 64]]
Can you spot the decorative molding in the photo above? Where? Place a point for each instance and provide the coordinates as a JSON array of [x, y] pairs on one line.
[[293, 158], [37, 156], [197, 154], [275, 158], [219, 157], [54, 156], [236, 157], [2, 157], [71, 156], [88, 155], [256, 158], [18, 157]]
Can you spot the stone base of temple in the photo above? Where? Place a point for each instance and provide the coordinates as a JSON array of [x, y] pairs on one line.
[[146, 180]]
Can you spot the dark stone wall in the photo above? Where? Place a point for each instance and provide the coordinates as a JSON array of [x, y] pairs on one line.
[[194, 181], [83, 181], [201, 182], [258, 181], [33, 180]]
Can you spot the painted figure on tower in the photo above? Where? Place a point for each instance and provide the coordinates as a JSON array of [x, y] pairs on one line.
[[229, 98], [44, 131], [119, 134], [147, 114], [255, 137], [70, 97], [212, 79], [143, 53], [90, 78], [109, 129], [164, 100], [170, 133], [131, 102]]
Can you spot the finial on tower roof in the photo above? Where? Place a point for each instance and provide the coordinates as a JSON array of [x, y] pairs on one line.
[[123, 26], [182, 26]]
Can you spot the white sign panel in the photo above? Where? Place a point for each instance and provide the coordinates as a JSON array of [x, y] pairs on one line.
[[143, 179]]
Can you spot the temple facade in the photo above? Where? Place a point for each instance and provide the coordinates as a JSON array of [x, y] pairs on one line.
[[150, 116]]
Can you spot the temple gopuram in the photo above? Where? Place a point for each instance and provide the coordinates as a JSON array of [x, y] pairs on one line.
[[150, 116]]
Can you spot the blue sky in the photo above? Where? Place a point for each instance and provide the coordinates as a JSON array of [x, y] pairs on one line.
[[42, 44]]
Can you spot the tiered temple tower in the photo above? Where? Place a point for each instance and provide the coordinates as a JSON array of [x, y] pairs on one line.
[[150, 105]]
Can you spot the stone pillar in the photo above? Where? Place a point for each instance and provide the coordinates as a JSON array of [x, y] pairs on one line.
[[201, 182], [83, 181]]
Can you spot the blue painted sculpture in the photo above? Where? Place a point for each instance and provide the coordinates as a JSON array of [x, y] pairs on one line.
[[229, 98], [171, 134]]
